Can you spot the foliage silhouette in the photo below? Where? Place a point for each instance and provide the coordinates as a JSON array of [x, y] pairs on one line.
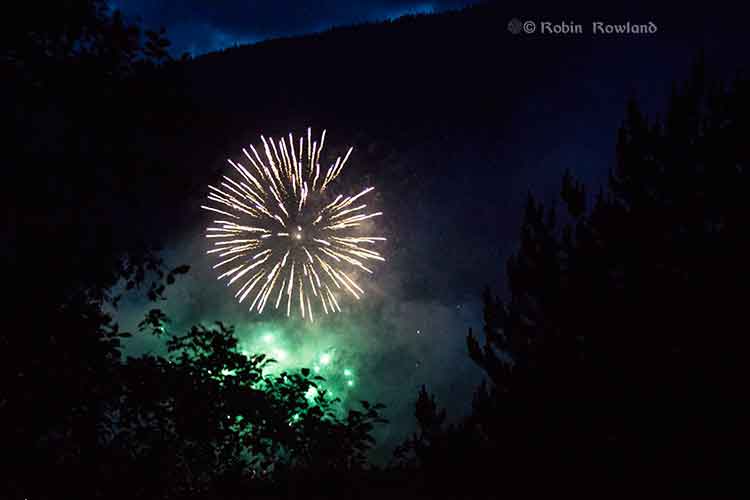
[[217, 419], [619, 347], [83, 91], [617, 360]]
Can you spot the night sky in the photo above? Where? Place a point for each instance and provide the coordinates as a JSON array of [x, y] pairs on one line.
[[198, 27], [454, 219]]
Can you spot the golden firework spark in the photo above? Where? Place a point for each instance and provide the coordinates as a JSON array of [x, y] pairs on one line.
[[283, 236]]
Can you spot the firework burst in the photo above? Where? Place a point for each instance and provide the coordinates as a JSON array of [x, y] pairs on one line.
[[283, 236]]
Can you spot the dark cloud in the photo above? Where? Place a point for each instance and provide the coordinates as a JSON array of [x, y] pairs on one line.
[[197, 26]]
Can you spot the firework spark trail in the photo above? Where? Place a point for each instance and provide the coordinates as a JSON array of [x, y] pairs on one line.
[[273, 228]]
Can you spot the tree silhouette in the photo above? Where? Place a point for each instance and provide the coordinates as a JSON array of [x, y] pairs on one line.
[[421, 446], [620, 344], [87, 93], [216, 420]]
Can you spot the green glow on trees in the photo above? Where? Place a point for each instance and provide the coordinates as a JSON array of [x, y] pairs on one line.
[[291, 350], [311, 393]]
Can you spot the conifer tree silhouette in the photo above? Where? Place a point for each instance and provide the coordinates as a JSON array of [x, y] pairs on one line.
[[620, 344]]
